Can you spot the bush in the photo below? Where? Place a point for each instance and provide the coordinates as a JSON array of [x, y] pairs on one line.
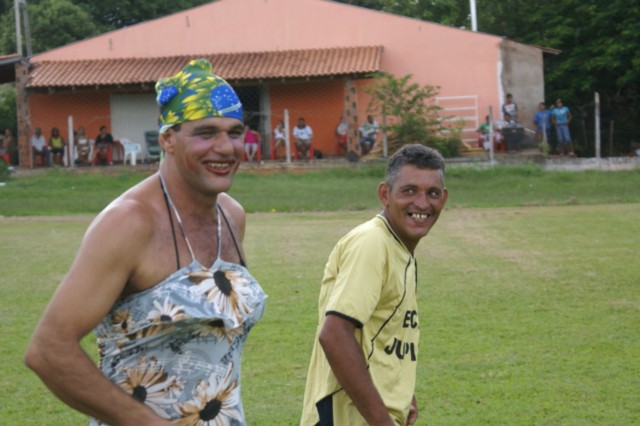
[[411, 114], [5, 171]]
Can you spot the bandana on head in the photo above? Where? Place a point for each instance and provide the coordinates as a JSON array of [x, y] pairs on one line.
[[195, 93]]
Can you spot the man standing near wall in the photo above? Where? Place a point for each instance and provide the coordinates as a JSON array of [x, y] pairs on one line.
[[510, 108]]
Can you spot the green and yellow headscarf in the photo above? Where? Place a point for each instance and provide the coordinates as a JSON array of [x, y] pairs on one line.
[[195, 93]]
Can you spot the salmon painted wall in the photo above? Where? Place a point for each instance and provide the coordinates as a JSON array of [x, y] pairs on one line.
[[319, 103], [90, 110], [461, 62]]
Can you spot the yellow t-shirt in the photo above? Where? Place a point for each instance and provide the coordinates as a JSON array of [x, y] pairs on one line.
[[370, 277], [56, 142]]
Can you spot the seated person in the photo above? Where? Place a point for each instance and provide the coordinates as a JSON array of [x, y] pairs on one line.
[[251, 141], [485, 131], [302, 135], [6, 142], [39, 147], [342, 138], [498, 126], [279, 143], [56, 145], [104, 147], [83, 147], [368, 132]]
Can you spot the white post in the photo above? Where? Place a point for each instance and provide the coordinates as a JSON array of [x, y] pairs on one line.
[[27, 28], [385, 142], [16, 6], [287, 140], [71, 145], [490, 135], [597, 120], [474, 20]]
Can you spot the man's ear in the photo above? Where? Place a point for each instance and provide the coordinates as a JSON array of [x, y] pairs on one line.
[[383, 193], [167, 141]]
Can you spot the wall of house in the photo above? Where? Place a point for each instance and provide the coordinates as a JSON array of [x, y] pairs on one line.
[[460, 62], [89, 109], [522, 72], [318, 102]]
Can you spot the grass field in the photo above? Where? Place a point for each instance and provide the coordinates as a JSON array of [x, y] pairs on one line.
[[529, 298]]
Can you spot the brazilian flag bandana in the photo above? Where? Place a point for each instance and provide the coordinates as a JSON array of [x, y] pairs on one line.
[[195, 93]]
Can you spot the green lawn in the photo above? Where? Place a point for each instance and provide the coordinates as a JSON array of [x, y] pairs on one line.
[[63, 191], [529, 301]]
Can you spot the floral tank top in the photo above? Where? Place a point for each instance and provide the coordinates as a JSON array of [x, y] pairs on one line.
[[177, 346]]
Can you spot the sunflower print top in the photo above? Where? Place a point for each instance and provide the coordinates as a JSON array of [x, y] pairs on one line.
[[177, 346]]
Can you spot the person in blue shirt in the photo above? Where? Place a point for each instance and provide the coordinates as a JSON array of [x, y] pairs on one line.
[[542, 121], [560, 117]]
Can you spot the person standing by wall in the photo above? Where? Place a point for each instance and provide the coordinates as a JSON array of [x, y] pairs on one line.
[[510, 107], [561, 117], [542, 123], [161, 278], [364, 358]]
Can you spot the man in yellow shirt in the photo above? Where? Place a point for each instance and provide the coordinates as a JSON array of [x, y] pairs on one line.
[[363, 364]]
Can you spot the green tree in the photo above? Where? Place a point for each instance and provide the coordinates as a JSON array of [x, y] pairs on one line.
[[115, 14], [598, 41], [411, 115], [8, 118], [52, 23], [55, 23]]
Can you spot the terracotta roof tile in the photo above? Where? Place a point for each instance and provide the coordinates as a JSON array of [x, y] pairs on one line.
[[231, 66]]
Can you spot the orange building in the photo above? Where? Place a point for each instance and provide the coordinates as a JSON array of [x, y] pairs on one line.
[[287, 58]]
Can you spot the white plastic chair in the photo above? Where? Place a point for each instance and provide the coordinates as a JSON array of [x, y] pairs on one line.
[[131, 149]]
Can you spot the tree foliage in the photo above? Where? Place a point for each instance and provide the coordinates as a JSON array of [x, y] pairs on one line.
[[598, 40], [411, 115], [115, 14], [56, 23], [8, 117]]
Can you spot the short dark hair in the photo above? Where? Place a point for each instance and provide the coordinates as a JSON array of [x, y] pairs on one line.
[[417, 155]]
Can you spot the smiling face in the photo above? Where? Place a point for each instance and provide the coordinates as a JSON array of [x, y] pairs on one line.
[[206, 152], [413, 202]]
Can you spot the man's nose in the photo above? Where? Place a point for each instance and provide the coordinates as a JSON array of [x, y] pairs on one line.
[[422, 200], [223, 144]]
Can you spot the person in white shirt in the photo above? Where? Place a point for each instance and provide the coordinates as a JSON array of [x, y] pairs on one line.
[[302, 135], [510, 108], [368, 132], [39, 147], [279, 143]]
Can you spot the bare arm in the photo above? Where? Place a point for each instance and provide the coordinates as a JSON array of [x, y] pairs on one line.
[[413, 412], [97, 277], [349, 366]]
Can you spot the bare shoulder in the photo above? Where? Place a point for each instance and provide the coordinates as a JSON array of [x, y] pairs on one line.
[[234, 212], [108, 258], [230, 204], [130, 217]]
